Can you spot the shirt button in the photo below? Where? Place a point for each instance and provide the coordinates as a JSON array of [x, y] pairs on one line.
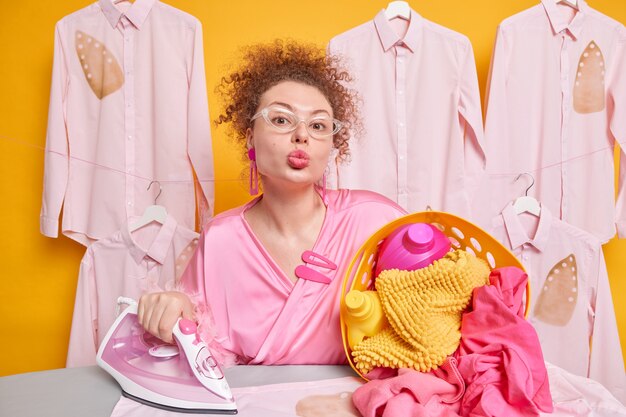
[[400, 92], [401, 124], [130, 137], [130, 203]]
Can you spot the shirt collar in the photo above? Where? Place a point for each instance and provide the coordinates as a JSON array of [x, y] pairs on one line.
[[159, 247], [388, 37], [558, 22], [516, 233], [136, 14]]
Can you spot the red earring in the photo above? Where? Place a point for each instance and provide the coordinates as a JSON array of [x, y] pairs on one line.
[[254, 173]]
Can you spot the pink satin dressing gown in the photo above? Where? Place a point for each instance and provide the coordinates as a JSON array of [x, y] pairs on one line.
[[251, 312]]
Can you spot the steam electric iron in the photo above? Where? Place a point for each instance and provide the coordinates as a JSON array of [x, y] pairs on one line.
[[183, 377]]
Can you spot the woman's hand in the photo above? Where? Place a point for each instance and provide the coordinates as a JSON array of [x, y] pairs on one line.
[[158, 312]]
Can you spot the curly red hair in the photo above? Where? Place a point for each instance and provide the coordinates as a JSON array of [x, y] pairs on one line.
[[265, 65]]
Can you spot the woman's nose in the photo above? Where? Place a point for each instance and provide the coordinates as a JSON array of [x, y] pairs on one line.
[[301, 135]]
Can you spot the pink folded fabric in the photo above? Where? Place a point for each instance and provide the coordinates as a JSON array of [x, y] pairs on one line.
[[500, 357], [413, 393]]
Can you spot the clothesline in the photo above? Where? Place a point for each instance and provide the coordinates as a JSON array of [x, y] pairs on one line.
[[120, 171], [243, 180]]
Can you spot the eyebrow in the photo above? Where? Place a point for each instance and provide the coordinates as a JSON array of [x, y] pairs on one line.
[[289, 107]]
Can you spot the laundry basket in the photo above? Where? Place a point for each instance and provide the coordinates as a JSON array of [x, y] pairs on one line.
[[462, 234]]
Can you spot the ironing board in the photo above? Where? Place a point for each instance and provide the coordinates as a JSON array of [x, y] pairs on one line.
[[90, 391]]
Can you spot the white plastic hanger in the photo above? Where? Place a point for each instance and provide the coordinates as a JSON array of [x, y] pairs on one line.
[[152, 213], [398, 9], [526, 204]]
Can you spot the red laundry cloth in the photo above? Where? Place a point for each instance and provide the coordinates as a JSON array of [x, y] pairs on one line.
[[413, 393], [500, 357]]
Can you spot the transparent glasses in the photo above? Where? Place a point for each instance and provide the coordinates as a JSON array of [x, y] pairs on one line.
[[283, 120]]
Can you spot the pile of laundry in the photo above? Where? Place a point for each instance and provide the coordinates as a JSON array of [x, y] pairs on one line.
[[446, 339]]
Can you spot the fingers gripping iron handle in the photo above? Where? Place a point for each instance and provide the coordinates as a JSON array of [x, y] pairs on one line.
[[202, 363]]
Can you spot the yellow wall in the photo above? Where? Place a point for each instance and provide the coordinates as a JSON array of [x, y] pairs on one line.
[[39, 274]]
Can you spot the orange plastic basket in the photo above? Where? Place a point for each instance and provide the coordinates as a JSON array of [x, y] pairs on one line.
[[462, 234]]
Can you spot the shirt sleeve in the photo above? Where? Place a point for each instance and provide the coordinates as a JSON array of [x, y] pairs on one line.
[[199, 143], [606, 364], [495, 96], [471, 119], [617, 123], [495, 131], [332, 180], [332, 173], [56, 160], [83, 345]]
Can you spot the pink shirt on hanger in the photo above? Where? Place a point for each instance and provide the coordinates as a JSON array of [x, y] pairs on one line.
[[128, 105], [556, 108], [571, 305], [126, 264], [422, 144]]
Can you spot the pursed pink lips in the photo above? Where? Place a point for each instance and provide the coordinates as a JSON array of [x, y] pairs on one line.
[[298, 159]]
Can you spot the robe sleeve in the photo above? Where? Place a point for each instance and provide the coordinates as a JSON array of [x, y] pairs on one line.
[[192, 283]]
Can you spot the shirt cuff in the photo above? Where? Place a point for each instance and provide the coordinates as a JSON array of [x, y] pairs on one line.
[[621, 229], [49, 227]]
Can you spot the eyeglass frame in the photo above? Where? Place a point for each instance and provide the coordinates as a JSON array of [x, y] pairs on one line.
[[265, 111]]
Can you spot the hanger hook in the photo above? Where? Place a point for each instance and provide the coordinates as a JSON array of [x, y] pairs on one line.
[[531, 184], [160, 190]]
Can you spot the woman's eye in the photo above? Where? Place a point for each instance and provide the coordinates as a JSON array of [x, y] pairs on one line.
[[281, 121], [320, 126]]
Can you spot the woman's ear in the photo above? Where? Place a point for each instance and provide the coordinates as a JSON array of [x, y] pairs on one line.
[[249, 138]]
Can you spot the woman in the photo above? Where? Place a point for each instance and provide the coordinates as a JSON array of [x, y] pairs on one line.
[[265, 280]]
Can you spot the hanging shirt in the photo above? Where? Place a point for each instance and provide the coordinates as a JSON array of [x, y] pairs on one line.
[[423, 132], [127, 264], [556, 106], [571, 305], [128, 105], [252, 312]]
